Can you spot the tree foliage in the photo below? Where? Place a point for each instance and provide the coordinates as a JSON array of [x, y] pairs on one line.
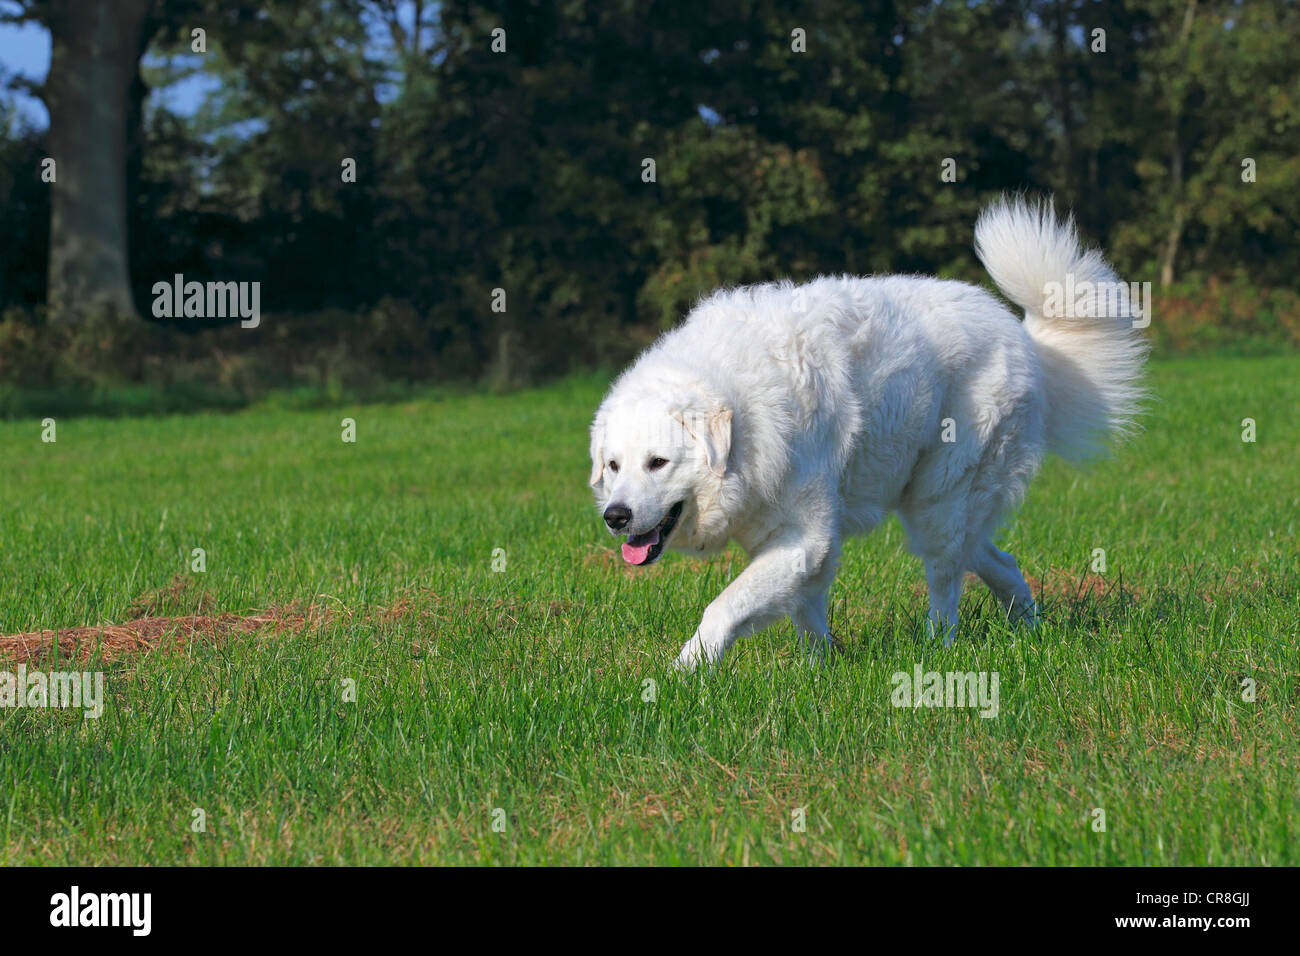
[[787, 139]]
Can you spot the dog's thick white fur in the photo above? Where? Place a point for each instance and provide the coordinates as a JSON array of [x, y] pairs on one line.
[[790, 417]]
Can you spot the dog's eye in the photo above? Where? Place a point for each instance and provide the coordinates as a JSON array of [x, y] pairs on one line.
[[656, 463], [613, 466]]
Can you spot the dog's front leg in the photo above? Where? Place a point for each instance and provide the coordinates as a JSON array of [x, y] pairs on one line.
[[766, 591]]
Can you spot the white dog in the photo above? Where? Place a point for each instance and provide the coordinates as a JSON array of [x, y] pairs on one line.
[[789, 417]]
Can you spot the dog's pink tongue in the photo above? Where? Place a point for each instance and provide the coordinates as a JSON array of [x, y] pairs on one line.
[[640, 552]]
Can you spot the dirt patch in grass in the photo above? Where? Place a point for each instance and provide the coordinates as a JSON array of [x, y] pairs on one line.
[[605, 557], [1249, 579], [111, 641], [1059, 584], [1068, 585]]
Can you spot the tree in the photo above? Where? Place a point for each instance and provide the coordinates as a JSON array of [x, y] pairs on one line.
[[93, 94]]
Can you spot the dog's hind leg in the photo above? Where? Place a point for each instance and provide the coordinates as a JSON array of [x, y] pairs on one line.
[[999, 571], [944, 575], [929, 530]]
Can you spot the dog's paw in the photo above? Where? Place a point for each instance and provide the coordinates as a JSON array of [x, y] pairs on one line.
[[820, 651], [685, 663], [692, 655], [1026, 615]]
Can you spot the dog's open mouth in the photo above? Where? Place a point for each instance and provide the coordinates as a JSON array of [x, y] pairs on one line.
[[646, 548]]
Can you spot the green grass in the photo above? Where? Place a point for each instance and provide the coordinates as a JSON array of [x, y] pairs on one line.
[[524, 689]]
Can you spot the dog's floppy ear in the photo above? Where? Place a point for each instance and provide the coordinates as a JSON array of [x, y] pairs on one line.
[[713, 432], [597, 450]]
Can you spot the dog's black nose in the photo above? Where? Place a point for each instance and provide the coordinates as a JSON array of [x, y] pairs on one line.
[[617, 517]]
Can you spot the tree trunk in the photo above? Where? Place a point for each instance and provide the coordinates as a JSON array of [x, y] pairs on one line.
[[1169, 256], [96, 50], [1172, 239], [1064, 100], [1175, 234], [502, 372]]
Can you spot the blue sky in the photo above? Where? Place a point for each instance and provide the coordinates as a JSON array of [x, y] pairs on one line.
[[25, 52]]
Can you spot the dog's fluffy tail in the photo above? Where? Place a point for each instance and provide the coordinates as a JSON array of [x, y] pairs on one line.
[[1092, 362]]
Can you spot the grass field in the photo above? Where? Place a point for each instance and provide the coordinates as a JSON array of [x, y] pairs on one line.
[[504, 716]]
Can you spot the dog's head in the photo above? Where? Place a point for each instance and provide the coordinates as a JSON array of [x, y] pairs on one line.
[[654, 468]]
